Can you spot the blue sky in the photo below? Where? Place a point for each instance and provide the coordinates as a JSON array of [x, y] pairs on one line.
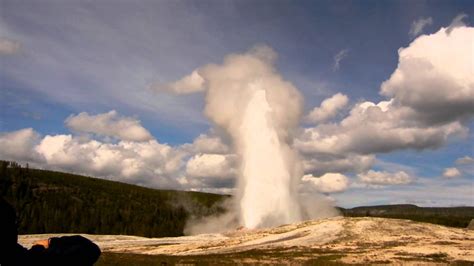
[[98, 56]]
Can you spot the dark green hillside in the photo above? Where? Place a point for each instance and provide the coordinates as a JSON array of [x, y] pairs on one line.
[[55, 202], [449, 216]]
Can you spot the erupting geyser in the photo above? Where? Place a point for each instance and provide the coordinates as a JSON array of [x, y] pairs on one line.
[[249, 99], [266, 182]]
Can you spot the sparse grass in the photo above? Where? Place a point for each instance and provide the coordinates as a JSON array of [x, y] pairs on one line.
[[461, 263], [433, 257], [249, 257], [447, 243], [440, 256]]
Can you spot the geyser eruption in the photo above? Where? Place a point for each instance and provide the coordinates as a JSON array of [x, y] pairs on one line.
[[260, 111], [266, 182]]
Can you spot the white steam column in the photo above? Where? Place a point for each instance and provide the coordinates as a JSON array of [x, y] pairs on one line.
[[247, 97], [266, 179]]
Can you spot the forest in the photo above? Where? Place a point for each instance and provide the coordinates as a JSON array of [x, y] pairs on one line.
[[56, 202], [448, 216]]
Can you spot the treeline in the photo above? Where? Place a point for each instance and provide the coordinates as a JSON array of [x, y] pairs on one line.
[[55, 202], [448, 216]]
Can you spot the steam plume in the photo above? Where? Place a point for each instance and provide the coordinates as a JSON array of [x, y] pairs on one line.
[[260, 111]]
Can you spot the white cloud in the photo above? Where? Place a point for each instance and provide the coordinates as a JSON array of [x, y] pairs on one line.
[[451, 172], [215, 166], [432, 93], [385, 178], [8, 46], [209, 144], [327, 183], [328, 109], [418, 25], [149, 163], [109, 124], [435, 77], [18, 145], [338, 58], [465, 160], [189, 84], [146, 163], [369, 129]]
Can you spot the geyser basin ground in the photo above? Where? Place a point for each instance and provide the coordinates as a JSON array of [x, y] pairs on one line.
[[346, 240]]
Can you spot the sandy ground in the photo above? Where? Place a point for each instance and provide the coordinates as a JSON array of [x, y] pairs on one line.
[[353, 240]]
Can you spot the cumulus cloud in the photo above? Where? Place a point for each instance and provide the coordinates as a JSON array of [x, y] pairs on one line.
[[147, 163], [109, 124], [418, 26], [385, 178], [191, 83], [205, 143], [434, 78], [338, 58], [9, 46], [327, 183], [369, 129], [451, 172], [328, 109], [218, 170], [18, 145], [430, 98]]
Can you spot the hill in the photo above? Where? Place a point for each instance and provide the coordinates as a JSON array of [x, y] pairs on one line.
[[449, 216], [55, 202]]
